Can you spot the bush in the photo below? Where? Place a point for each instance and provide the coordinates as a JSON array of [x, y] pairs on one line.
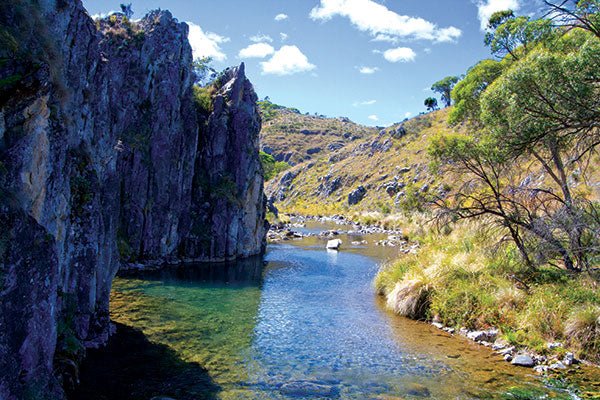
[[203, 99], [272, 168]]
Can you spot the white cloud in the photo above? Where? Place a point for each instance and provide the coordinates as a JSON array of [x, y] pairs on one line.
[[488, 7], [283, 36], [261, 38], [368, 70], [378, 20], [257, 50], [102, 15], [364, 103], [373, 117], [206, 44], [281, 17], [400, 54], [385, 38], [407, 114], [287, 60]]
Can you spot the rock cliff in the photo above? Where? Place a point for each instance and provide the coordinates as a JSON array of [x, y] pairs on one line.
[[105, 158]]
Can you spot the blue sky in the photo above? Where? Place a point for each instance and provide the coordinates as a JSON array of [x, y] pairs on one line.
[[370, 60]]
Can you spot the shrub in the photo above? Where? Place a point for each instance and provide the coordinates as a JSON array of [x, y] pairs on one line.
[[203, 99], [271, 168]]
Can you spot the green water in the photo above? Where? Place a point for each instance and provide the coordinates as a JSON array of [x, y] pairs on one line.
[[305, 317]]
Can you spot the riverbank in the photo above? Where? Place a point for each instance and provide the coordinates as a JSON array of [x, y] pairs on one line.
[[468, 280]]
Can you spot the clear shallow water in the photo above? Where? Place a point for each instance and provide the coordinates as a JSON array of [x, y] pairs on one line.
[[306, 324]]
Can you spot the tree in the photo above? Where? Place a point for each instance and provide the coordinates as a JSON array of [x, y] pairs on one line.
[[536, 131], [127, 10], [431, 103], [205, 73], [509, 33], [444, 88], [576, 13], [546, 106], [467, 92]]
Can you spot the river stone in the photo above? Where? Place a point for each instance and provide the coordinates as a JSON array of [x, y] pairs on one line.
[[334, 244], [308, 389], [523, 360]]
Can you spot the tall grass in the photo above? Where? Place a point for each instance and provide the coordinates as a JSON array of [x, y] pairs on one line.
[[468, 276]]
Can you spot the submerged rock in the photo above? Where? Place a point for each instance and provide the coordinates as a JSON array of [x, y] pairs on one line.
[[308, 389], [418, 390]]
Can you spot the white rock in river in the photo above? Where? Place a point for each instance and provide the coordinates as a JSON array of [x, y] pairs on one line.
[[334, 244]]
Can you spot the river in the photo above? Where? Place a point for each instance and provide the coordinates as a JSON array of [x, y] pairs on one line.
[[303, 323]]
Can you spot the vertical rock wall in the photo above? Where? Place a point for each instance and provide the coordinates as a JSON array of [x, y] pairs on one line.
[[104, 158]]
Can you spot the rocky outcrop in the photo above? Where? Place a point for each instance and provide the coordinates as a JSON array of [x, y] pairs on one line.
[[228, 204], [105, 158], [356, 195]]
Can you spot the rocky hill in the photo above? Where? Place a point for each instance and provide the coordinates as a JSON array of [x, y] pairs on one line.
[[107, 157], [385, 170], [293, 137]]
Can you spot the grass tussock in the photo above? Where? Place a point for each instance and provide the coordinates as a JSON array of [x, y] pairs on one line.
[[469, 277]]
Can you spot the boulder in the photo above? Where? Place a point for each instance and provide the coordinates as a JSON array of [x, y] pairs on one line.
[[523, 360], [357, 195], [334, 244]]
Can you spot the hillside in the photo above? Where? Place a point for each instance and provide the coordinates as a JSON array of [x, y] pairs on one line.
[[293, 137], [391, 165]]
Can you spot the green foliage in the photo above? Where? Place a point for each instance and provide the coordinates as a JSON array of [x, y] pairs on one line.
[[548, 93], [226, 188], [10, 81], [271, 168], [125, 251], [431, 103], [444, 88], [515, 34], [203, 98], [268, 109], [81, 192], [467, 93], [205, 73]]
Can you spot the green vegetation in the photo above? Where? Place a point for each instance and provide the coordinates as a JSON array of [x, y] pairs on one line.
[[203, 98], [267, 109], [431, 103], [466, 278], [444, 88], [520, 246], [271, 167]]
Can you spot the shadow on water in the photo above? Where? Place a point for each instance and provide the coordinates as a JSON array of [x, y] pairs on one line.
[[133, 368], [183, 332], [240, 273]]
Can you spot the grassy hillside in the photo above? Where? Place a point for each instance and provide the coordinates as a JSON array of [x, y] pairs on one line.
[[391, 164], [293, 137]]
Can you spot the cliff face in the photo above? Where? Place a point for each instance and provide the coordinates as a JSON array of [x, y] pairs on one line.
[[103, 159]]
